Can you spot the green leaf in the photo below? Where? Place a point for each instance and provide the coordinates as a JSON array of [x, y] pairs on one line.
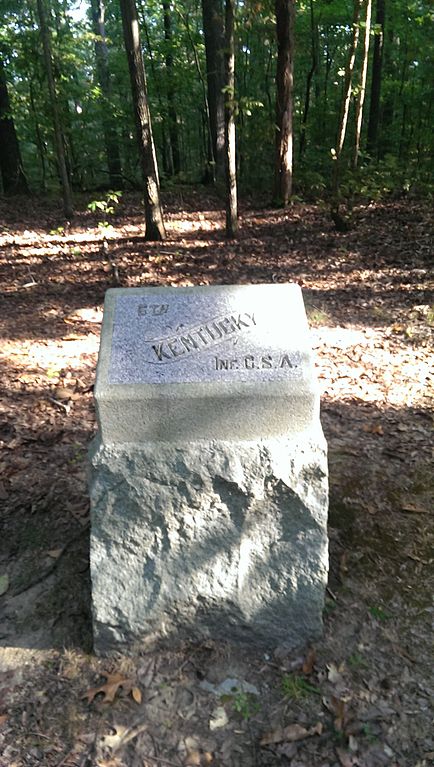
[[4, 584]]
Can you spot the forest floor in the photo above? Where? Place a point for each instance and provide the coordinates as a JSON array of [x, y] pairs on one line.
[[363, 696]]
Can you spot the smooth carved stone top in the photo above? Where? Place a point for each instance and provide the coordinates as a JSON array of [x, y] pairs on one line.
[[192, 363]]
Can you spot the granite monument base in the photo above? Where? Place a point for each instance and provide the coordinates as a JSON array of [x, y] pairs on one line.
[[212, 538]]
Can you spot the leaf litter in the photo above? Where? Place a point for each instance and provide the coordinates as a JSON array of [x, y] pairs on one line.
[[363, 695]]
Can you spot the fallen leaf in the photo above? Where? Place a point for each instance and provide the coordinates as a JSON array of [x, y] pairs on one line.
[[192, 759], [109, 689], [219, 718], [290, 733], [346, 759], [343, 565], [137, 695], [374, 428], [413, 509], [62, 393], [54, 553], [3, 719], [334, 674], [309, 661], [340, 713], [4, 584]]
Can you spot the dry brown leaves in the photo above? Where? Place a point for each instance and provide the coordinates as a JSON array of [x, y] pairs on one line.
[[114, 684]]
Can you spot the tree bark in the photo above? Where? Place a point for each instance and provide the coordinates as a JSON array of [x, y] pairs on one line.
[[39, 140], [231, 167], [148, 160], [212, 13], [362, 89], [310, 74], [339, 221], [103, 72], [377, 73], [210, 168], [11, 168], [285, 17], [171, 109], [58, 135]]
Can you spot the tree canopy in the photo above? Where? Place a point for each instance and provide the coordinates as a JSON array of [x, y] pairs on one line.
[[95, 105]]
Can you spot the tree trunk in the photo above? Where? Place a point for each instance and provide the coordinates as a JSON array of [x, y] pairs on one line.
[[164, 146], [58, 136], [173, 120], [103, 72], [362, 90], [148, 160], [310, 74], [339, 221], [215, 72], [377, 73], [209, 175], [231, 167], [11, 168], [285, 17], [39, 140]]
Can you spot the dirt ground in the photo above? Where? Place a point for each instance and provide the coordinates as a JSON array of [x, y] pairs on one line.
[[363, 696]]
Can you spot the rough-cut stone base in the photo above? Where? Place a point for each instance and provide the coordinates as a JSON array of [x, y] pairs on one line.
[[212, 538]]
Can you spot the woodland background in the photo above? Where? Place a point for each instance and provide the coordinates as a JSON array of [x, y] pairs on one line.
[[305, 74]]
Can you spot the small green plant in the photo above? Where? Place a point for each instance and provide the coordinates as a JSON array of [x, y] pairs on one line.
[[106, 206], [329, 606], [60, 230], [379, 614], [296, 687], [245, 704], [369, 733], [357, 661]]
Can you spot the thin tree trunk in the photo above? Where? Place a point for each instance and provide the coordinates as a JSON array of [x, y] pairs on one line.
[[148, 160], [157, 84], [11, 168], [329, 58], [285, 17], [210, 170], [231, 166], [343, 121], [173, 120], [212, 12], [102, 67], [377, 73], [58, 135], [310, 74], [362, 91], [39, 141]]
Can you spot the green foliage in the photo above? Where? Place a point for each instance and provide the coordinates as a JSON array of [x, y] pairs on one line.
[[106, 206], [357, 661], [296, 687], [379, 614], [246, 705], [403, 162]]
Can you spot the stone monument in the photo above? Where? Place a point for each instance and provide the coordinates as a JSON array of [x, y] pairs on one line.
[[208, 473]]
